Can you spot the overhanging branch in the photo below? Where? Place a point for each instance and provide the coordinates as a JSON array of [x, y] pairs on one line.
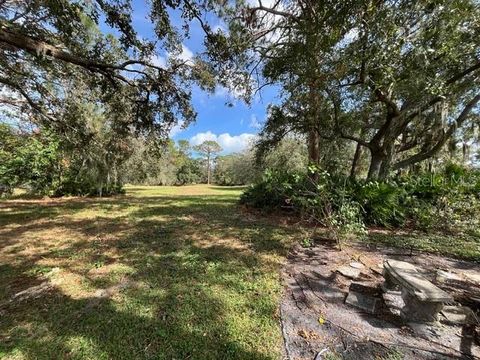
[[425, 154]]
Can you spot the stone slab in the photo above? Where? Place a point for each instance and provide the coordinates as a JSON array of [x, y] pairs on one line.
[[411, 280], [378, 269], [445, 276], [362, 301], [349, 272], [473, 277], [357, 265], [459, 315]]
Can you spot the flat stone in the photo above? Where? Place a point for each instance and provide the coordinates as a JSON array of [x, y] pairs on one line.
[[361, 301], [349, 272], [473, 277], [459, 315], [378, 269], [357, 265], [412, 281], [445, 276]]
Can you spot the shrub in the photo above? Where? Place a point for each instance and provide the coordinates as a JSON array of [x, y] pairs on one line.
[[383, 203], [316, 198], [448, 201]]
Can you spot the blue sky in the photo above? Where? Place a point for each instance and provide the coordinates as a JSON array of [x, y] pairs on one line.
[[233, 127]]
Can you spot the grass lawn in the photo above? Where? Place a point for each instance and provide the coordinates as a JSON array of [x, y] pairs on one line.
[[161, 273]]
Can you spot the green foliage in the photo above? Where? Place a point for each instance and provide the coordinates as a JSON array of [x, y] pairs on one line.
[[168, 165], [448, 201], [52, 45], [190, 172], [289, 154], [29, 160], [235, 169], [382, 202], [317, 197], [377, 76]]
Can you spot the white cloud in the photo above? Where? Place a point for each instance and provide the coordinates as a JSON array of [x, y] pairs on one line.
[[186, 54], [175, 130], [162, 61], [201, 137], [254, 123], [229, 143]]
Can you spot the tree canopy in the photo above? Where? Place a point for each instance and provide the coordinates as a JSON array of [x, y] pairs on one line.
[[208, 149], [48, 47], [372, 88], [397, 78]]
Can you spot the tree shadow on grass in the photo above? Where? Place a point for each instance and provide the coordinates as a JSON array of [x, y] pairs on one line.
[[57, 326], [207, 283]]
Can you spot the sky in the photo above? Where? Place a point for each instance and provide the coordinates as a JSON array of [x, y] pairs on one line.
[[233, 127]]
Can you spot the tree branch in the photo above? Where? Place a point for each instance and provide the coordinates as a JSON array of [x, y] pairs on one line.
[[463, 73], [273, 11], [42, 48], [29, 100], [425, 154]]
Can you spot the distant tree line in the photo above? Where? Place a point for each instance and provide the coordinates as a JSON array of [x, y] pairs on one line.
[[42, 163], [373, 89]]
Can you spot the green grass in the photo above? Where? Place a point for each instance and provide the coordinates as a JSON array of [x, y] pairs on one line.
[[189, 276], [160, 273]]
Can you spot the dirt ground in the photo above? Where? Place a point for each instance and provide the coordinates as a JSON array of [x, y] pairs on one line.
[[318, 324]]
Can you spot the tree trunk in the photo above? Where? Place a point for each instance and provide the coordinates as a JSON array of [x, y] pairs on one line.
[[313, 147], [208, 169], [356, 161], [375, 165], [386, 167], [313, 152]]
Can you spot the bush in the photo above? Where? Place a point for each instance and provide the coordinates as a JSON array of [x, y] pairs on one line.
[[273, 191], [29, 160], [448, 201], [383, 203], [316, 197]]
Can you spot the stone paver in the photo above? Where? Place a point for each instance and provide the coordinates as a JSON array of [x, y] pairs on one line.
[[459, 315], [362, 301], [349, 272]]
